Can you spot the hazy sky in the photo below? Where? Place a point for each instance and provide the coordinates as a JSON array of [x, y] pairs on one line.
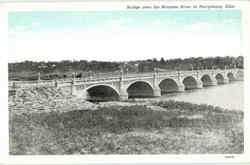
[[123, 35]]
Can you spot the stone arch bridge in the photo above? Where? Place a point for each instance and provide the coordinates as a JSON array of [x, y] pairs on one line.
[[122, 87]]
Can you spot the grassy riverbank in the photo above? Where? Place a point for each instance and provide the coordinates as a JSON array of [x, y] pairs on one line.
[[157, 128]]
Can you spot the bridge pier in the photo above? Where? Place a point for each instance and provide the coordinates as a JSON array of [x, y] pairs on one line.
[[226, 80], [199, 84], [157, 91], [73, 88], [156, 88], [83, 94], [123, 94], [213, 82], [122, 89], [181, 87]]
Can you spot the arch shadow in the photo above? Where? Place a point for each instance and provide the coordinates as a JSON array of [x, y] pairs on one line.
[[206, 80], [168, 86], [231, 77], [190, 83], [99, 93], [140, 89], [220, 78]]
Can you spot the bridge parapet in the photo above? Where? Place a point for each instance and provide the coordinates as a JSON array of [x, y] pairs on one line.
[[115, 78], [156, 82]]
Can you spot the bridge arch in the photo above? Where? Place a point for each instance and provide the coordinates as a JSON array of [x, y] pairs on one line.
[[239, 75], [231, 76], [206, 80], [220, 78], [168, 85], [190, 83], [140, 89], [102, 92]]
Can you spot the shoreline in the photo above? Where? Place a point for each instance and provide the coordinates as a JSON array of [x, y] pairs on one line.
[[46, 99], [61, 105], [156, 128], [47, 124]]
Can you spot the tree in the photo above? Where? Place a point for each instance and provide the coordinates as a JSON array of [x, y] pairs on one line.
[[162, 61], [26, 69]]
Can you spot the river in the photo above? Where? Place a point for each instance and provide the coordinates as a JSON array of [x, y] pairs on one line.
[[230, 96]]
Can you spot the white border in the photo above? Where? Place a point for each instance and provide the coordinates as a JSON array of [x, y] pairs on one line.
[[87, 159]]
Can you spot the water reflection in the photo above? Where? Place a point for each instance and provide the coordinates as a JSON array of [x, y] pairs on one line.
[[228, 96]]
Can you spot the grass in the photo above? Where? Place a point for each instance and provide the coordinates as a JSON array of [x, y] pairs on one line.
[[182, 128]]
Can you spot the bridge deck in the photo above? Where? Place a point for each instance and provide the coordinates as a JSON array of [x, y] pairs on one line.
[[108, 77]]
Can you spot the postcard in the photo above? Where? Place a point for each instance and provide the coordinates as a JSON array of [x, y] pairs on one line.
[[124, 82]]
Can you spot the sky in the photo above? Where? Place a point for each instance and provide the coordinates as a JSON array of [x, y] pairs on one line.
[[123, 35]]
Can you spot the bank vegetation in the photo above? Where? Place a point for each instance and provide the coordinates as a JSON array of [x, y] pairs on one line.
[[163, 127]]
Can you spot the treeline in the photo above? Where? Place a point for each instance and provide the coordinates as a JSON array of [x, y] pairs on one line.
[[192, 63], [64, 66], [28, 70]]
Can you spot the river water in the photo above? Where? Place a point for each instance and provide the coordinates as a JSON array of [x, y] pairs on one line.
[[229, 96]]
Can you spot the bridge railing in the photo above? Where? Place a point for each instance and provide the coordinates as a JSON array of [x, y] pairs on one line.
[[107, 77], [24, 84]]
